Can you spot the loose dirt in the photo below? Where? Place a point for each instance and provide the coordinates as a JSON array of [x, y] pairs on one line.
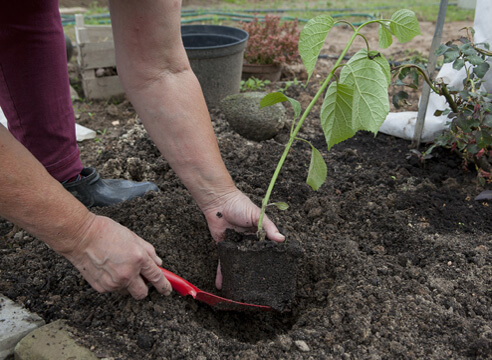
[[397, 258]]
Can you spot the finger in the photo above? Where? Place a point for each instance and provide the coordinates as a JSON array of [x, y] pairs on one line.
[[155, 276], [123, 292], [218, 278], [138, 289], [153, 255], [272, 231]]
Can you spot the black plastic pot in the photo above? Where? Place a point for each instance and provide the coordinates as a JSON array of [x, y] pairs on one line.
[[216, 57]]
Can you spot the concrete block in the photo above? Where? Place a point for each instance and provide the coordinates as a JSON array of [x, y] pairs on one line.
[[52, 341], [15, 323]]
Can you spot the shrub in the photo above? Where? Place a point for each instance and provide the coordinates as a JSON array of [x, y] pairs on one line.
[[271, 42], [469, 129]]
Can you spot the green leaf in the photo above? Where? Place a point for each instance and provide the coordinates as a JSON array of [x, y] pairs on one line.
[[468, 50], [475, 60], [359, 101], [404, 25], [458, 64], [317, 170], [276, 97], [385, 37], [451, 55], [280, 205], [312, 38], [481, 69], [441, 49], [336, 114], [382, 62], [488, 120], [370, 80], [472, 148]]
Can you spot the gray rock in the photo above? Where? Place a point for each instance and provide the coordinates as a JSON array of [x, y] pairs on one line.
[[285, 342], [301, 345], [243, 113]]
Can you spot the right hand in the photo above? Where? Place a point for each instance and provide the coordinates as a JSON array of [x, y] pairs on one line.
[[113, 258]]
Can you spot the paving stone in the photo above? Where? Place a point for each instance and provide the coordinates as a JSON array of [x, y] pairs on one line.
[[15, 323], [52, 341]]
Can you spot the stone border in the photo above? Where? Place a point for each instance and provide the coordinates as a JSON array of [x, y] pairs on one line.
[[24, 335]]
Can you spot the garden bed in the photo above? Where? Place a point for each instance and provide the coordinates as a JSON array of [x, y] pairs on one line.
[[397, 259]]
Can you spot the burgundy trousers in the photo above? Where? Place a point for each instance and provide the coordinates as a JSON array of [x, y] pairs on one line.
[[34, 86]]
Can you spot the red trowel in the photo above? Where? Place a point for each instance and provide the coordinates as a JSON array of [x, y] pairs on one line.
[[184, 288]]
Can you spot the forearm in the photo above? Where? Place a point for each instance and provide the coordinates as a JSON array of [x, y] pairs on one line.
[[32, 199], [155, 72]]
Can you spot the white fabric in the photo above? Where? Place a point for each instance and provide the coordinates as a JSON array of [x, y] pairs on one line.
[[402, 124]]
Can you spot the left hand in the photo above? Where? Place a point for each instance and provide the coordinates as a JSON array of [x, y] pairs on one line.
[[236, 211]]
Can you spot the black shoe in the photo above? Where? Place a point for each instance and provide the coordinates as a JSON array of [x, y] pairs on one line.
[[91, 190]]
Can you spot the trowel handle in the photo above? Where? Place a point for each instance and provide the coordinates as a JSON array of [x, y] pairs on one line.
[[179, 284]]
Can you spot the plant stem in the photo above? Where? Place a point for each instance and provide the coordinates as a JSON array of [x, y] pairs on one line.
[[449, 98], [296, 130]]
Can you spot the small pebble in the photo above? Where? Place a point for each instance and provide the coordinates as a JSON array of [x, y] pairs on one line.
[[301, 345]]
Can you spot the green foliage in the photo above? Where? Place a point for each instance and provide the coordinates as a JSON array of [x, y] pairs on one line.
[[469, 129], [288, 84], [356, 100], [470, 125], [311, 40], [254, 84]]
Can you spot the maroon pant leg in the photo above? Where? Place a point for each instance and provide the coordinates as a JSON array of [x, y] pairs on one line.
[[34, 86]]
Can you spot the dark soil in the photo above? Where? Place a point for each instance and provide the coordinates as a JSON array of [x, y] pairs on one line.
[[397, 254], [259, 272]]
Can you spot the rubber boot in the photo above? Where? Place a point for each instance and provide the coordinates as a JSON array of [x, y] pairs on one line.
[[91, 190]]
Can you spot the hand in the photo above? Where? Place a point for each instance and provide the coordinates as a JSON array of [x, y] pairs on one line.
[[236, 211], [113, 258]]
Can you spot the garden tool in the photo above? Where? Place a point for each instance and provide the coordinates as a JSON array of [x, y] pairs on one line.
[[184, 288]]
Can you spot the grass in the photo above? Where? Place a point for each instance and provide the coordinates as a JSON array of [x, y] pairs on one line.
[[424, 9]]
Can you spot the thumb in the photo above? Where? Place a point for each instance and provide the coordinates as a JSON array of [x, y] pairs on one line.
[[272, 231]]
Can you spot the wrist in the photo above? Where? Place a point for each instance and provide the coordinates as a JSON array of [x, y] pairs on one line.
[[73, 234]]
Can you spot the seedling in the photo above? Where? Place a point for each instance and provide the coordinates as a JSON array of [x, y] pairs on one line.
[[356, 100], [254, 84]]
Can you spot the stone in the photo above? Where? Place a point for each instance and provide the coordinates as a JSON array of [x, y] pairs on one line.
[[15, 323], [301, 345], [244, 115], [285, 342], [52, 341]]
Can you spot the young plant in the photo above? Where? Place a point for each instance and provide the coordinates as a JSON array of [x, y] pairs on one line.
[[253, 84], [356, 100], [469, 130]]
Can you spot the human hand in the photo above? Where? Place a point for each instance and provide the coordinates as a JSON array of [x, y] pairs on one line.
[[236, 211], [113, 258]]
